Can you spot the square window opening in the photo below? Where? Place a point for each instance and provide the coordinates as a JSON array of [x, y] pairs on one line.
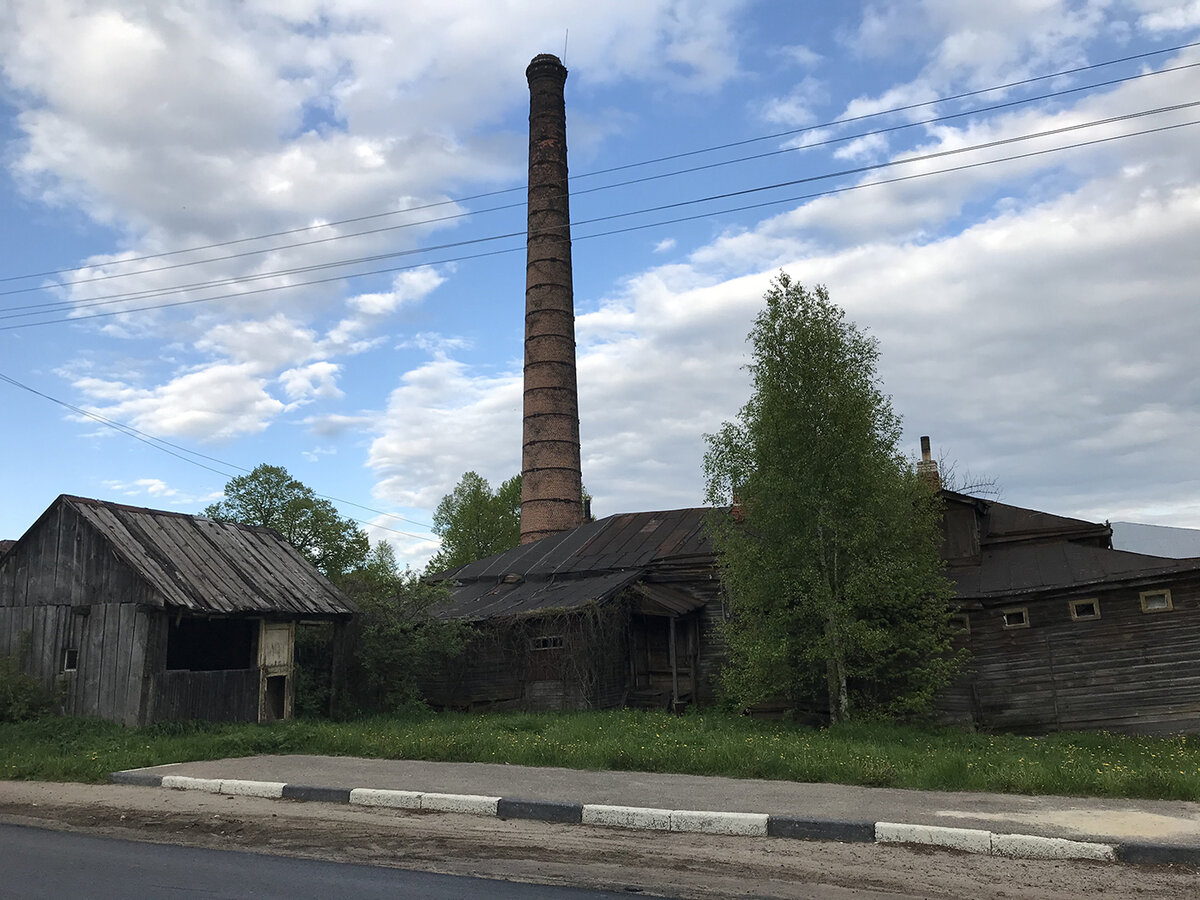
[[1015, 618], [547, 642], [1085, 609], [1156, 601], [70, 659]]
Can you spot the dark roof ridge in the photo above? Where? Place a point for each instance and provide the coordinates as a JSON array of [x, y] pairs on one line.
[[146, 510]]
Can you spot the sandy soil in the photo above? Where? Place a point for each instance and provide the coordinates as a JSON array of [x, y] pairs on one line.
[[673, 865]]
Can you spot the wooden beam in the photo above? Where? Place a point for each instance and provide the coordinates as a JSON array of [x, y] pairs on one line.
[[674, 668]]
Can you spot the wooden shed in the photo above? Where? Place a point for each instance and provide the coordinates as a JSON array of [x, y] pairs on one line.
[[141, 615], [1066, 633], [620, 611]]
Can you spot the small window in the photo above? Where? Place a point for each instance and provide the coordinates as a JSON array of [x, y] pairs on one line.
[[1156, 601], [960, 623], [547, 642], [70, 659], [1085, 609], [1015, 618]]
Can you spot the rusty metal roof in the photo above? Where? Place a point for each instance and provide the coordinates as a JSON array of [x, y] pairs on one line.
[[202, 566], [591, 563]]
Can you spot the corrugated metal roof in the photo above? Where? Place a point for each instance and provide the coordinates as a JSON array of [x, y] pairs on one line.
[[203, 566], [583, 565]]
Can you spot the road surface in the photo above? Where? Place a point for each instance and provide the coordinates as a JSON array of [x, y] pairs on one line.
[[624, 862]]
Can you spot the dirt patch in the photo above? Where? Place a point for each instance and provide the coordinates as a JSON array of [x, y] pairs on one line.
[[650, 863]]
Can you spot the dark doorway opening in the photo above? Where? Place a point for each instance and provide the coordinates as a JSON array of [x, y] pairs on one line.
[[275, 699], [208, 645]]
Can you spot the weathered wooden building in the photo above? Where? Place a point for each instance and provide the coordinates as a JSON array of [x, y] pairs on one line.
[[613, 612], [141, 615], [1066, 633]]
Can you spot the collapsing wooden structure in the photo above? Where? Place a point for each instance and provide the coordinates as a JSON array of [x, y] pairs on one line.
[[140, 615], [1064, 632], [618, 611]]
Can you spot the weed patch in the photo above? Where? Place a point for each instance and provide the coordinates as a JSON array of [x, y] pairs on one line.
[[712, 743]]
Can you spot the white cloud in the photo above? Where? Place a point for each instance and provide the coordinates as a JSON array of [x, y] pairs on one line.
[[664, 245], [212, 403], [306, 383], [1170, 15], [443, 420]]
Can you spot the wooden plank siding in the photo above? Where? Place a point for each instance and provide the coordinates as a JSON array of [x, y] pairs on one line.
[[225, 695], [1126, 671]]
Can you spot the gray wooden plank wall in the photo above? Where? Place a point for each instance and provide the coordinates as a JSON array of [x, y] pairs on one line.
[[1126, 671]]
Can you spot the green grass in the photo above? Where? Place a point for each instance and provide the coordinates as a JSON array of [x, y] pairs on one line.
[[1079, 764]]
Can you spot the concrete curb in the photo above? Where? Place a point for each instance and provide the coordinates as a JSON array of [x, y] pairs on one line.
[[967, 840]]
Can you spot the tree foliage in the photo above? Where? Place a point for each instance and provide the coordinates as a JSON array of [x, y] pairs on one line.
[[395, 642], [389, 650], [831, 560], [270, 497], [474, 521]]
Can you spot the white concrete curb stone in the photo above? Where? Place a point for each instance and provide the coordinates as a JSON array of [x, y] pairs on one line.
[[273, 790], [390, 799], [1029, 846], [188, 783], [461, 803], [626, 817], [971, 840], [751, 824]]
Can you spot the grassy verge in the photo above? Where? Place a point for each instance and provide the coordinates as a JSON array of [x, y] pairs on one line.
[[1102, 765]]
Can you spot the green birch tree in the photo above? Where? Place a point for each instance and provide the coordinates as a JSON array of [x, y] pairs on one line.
[[830, 557]]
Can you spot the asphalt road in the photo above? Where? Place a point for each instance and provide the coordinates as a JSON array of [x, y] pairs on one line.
[[36, 863]]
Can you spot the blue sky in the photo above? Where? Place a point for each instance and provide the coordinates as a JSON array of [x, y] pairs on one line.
[[1036, 316]]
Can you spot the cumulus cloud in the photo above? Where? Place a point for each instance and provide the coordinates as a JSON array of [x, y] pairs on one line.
[[211, 404]]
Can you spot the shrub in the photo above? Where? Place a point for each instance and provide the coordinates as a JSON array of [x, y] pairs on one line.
[[21, 696]]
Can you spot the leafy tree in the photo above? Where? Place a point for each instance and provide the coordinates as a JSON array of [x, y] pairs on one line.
[[269, 496], [831, 557], [474, 521], [395, 642], [388, 650]]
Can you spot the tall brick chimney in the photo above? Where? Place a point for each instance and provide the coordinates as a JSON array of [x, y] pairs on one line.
[[551, 484]]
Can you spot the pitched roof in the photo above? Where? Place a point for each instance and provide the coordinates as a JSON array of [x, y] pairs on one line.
[[1032, 568], [200, 565], [591, 563]]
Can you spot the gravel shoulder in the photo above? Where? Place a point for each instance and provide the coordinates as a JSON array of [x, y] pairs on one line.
[[663, 864]]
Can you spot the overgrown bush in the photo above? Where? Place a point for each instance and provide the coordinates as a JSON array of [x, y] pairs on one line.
[[21, 696], [390, 647]]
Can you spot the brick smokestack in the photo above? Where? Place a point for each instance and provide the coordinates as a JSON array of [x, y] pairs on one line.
[[927, 468], [551, 484]]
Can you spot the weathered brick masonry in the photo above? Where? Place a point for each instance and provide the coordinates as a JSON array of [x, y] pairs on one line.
[[551, 485]]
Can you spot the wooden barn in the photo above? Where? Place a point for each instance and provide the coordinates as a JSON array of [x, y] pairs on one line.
[[615, 612], [141, 615], [1066, 633]]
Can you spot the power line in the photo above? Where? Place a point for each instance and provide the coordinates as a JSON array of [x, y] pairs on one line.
[[858, 170], [662, 175], [639, 164], [169, 448]]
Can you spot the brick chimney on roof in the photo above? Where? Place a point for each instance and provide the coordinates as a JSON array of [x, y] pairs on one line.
[[551, 483], [927, 468]]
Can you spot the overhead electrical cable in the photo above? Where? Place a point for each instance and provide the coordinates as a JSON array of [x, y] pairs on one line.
[[709, 214], [656, 160], [169, 447], [575, 194], [857, 170]]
